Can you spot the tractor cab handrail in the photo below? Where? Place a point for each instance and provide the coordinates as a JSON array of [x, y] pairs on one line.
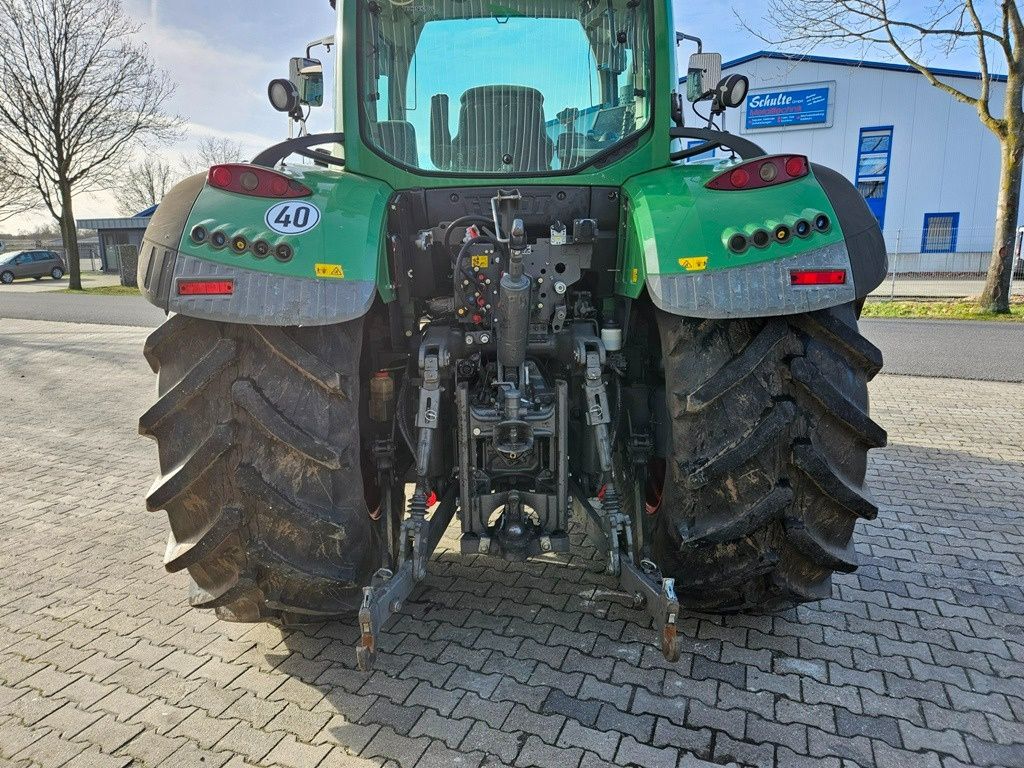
[[301, 146], [710, 140]]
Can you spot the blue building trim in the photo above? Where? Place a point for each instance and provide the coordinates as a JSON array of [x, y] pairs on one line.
[[856, 63], [954, 226]]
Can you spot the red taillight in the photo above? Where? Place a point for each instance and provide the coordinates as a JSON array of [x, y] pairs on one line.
[[255, 181], [206, 287], [739, 178], [817, 277], [220, 176], [796, 166], [762, 172]]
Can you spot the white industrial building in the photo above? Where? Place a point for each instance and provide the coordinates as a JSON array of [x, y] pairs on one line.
[[926, 165]]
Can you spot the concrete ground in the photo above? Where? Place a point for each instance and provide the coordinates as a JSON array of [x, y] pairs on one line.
[[917, 660]]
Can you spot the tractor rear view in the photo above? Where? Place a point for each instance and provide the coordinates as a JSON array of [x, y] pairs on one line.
[[510, 289]]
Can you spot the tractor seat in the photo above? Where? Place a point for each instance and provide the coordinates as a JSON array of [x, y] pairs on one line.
[[496, 121], [397, 139]]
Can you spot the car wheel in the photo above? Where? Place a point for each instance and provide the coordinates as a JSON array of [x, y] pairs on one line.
[[56, 273], [6, 278]]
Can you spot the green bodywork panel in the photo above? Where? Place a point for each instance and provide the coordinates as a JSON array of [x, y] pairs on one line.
[[350, 233], [669, 216]]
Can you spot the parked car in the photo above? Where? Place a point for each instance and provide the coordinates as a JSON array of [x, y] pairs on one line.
[[37, 264]]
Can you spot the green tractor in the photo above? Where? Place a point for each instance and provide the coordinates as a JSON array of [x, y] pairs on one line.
[[513, 282]]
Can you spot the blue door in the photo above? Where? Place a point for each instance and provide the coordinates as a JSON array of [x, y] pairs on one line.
[[874, 151]]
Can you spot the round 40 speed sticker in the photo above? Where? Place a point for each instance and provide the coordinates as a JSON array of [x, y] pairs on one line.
[[293, 218]]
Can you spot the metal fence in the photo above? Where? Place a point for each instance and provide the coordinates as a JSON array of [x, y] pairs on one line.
[[950, 264]]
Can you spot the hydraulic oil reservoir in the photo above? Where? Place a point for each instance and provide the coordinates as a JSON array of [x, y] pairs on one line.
[[611, 335]]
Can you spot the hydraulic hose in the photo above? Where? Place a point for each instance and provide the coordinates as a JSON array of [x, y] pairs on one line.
[[471, 219]]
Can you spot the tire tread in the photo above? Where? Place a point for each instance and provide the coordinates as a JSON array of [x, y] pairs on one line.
[[245, 412], [770, 454]]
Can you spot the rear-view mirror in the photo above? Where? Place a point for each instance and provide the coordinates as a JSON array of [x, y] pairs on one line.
[[308, 77], [703, 73]]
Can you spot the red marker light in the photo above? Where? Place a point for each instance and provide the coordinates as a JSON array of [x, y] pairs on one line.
[[206, 287], [432, 499], [817, 277]]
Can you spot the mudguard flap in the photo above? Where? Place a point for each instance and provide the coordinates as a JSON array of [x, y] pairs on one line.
[[332, 276], [676, 243]]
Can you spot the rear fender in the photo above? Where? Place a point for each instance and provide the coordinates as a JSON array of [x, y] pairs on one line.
[[337, 268], [676, 235]]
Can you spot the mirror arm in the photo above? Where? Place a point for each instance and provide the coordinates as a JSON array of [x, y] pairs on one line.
[[327, 42], [712, 140], [680, 36], [271, 156]]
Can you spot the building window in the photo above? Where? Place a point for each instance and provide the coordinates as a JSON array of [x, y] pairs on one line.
[[939, 232], [874, 151], [709, 155]]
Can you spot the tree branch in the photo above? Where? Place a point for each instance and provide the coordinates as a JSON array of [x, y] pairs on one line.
[[80, 92], [870, 22]]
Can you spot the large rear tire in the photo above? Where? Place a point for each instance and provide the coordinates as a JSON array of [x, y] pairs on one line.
[[770, 433], [258, 436]]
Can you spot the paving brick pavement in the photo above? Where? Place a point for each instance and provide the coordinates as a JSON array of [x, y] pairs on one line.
[[917, 660]]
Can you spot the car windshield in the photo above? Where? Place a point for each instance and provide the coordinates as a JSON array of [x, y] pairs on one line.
[[7, 258], [514, 87]]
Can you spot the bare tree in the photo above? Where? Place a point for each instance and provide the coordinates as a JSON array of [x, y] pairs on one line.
[[79, 90], [16, 197], [144, 185], [213, 151], [996, 36]]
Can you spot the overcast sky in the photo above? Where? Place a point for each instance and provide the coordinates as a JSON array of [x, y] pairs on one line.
[[222, 54]]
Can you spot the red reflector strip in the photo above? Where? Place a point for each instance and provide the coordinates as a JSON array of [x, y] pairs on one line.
[[206, 287], [817, 277]]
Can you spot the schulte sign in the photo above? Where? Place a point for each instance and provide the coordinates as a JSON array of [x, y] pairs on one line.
[[801, 106]]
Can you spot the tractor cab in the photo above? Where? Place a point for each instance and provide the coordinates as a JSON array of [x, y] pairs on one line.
[[528, 87], [429, 92]]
